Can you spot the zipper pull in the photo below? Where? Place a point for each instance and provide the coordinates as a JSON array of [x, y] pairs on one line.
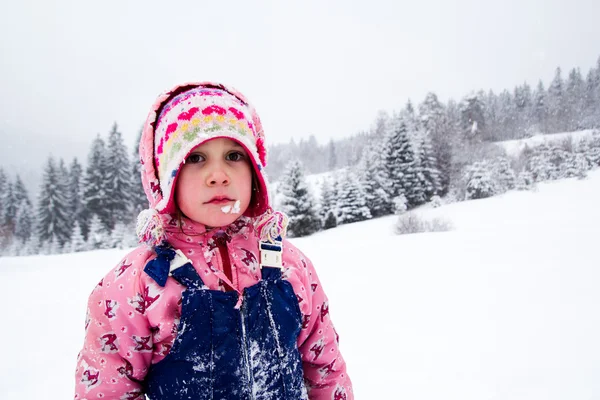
[[239, 302]]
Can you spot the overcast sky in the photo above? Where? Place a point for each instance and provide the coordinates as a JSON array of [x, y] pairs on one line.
[[68, 69]]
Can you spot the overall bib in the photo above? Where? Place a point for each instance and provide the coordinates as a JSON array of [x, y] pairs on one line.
[[222, 352]]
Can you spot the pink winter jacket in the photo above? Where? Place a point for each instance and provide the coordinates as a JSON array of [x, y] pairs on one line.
[[131, 321]]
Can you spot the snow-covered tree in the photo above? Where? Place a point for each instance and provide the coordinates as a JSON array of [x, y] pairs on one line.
[[74, 191], [400, 205], [352, 203], [436, 126], [98, 237], [480, 181], [118, 180], [77, 242], [540, 109], [298, 203], [400, 164], [119, 236], [430, 175], [24, 221], [52, 211], [556, 104], [574, 99], [94, 187], [138, 198], [472, 117], [525, 180], [10, 209], [31, 246], [503, 174], [575, 166], [375, 180], [328, 202], [332, 158]]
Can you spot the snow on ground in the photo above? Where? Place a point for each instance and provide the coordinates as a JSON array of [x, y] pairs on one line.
[[503, 307], [515, 147]]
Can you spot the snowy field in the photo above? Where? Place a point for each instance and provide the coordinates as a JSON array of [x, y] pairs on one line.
[[506, 306], [515, 147]]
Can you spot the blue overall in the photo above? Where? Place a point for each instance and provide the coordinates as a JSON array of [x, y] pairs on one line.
[[221, 352]]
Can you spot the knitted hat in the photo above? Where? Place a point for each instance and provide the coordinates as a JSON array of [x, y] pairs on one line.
[[180, 120]]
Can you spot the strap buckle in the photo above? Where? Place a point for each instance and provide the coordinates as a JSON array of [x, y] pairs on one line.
[[178, 261], [271, 254]]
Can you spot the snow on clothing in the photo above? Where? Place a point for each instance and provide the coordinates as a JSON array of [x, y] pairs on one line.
[[138, 317], [132, 321]]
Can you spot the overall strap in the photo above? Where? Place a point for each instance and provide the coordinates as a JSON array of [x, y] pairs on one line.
[[271, 262], [170, 262]]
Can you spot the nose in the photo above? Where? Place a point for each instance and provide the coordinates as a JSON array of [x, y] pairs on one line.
[[217, 177]]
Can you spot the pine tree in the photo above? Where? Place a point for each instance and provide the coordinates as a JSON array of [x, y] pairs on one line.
[[523, 104], [24, 221], [77, 242], [52, 212], [556, 104], [352, 202], [31, 246], [10, 209], [504, 175], [118, 180], [97, 236], [298, 202], [94, 187], [540, 109], [507, 111], [74, 191], [480, 183], [332, 158], [139, 201], [574, 96], [428, 169], [374, 181], [472, 117], [400, 163], [328, 202], [3, 201], [436, 126]]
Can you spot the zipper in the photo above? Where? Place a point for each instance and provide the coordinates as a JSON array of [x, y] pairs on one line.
[[245, 349]]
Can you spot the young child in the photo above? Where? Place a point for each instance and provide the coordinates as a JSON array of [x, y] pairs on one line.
[[214, 305]]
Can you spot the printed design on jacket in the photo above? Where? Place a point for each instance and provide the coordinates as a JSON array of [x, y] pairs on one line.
[[340, 393], [142, 343], [90, 377], [324, 310], [145, 300], [108, 343], [121, 268], [111, 307], [249, 260], [317, 348], [126, 370]]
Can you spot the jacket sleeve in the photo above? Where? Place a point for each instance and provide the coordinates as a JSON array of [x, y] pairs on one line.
[[117, 349], [324, 367]]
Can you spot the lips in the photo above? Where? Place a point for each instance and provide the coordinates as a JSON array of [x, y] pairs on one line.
[[219, 200]]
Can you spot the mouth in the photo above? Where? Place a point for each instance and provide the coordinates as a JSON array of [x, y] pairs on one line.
[[219, 200]]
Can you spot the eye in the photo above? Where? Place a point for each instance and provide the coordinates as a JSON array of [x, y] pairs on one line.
[[235, 156], [194, 158]]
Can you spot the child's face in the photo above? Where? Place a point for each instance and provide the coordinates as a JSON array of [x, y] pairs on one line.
[[219, 167]]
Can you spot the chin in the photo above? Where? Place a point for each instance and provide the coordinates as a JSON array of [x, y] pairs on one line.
[[221, 220]]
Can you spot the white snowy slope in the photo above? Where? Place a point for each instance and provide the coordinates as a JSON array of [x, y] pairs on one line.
[[515, 147], [503, 307]]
